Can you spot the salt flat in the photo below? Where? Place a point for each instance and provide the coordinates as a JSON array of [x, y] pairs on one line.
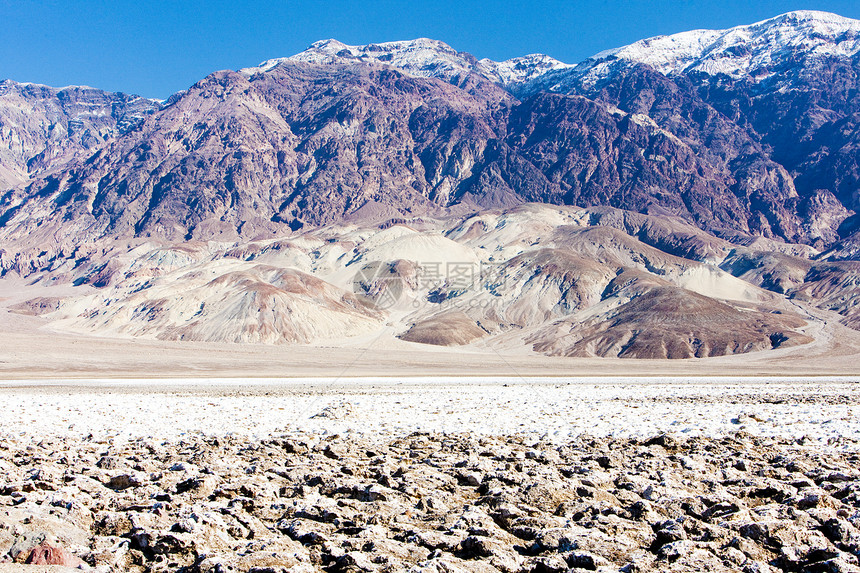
[[825, 411]]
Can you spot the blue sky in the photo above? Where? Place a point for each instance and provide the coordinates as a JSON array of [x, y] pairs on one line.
[[157, 48]]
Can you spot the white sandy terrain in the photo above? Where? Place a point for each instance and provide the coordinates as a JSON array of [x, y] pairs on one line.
[[822, 410]]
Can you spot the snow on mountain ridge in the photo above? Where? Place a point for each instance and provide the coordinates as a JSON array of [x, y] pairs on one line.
[[8, 84], [736, 51], [421, 57], [520, 70], [742, 51]]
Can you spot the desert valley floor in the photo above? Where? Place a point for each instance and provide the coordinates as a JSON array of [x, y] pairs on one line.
[[382, 455], [434, 474], [32, 348]]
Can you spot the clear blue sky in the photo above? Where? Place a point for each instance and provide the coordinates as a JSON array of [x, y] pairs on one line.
[[157, 48]]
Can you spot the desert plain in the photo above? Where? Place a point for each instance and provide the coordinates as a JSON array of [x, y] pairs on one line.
[[376, 454]]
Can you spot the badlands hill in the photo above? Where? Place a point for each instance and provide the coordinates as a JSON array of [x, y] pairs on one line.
[[563, 281], [686, 196]]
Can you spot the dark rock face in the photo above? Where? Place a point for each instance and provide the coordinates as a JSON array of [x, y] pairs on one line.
[[628, 160], [785, 147], [305, 144], [811, 128], [733, 185], [300, 145]]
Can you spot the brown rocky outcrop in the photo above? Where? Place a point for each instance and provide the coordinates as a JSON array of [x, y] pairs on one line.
[[667, 322]]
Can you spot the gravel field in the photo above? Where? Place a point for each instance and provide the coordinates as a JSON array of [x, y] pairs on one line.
[[431, 475]]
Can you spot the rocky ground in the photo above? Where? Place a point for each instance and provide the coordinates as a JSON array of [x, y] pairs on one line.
[[431, 503]]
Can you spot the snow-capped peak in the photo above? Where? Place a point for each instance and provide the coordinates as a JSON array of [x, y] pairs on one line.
[[422, 57], [744, 51], [738, 51], [520, 70]]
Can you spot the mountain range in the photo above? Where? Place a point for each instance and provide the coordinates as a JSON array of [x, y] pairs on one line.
[[713, 171]]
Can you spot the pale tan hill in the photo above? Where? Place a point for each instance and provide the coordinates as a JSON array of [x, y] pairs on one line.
[[224, 303], [534, 278], [450, 328]]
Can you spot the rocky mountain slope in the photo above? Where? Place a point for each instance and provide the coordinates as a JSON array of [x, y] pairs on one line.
[[776, 99], [42, 128], [410, 127], [714, 175]]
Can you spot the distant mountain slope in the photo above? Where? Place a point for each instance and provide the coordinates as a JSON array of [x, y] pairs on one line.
[[791, 83], [43, 127], [301, 144], [750, 132]]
